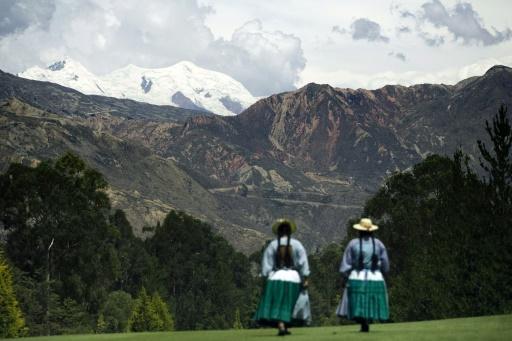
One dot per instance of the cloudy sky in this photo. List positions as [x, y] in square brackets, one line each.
[269, 46]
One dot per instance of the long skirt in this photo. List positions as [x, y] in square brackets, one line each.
[365, 296]
[302, 311]
[279, 297]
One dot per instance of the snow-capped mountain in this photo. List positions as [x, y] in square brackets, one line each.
[184, 84]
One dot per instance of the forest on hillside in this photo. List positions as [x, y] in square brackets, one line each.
[69, 263]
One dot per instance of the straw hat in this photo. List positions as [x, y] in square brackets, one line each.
[365, 224]
[282, 221]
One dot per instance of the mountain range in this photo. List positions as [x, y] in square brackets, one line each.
[314, 154]
[183, 85]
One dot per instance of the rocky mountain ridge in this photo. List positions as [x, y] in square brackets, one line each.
[314, 154]
[362, 133]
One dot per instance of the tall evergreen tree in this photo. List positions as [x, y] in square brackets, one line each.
[101, 324]
[12, 323]
[144, 316]
[498, 162]
[70, 317]
[162, 310]
[237, 324]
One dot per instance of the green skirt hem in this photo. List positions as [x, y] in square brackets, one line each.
[367, 300]
[277, 302]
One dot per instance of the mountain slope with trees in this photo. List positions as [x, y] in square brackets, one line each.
[445, 228]
[447, 233]
[74, 257]
[316, 153]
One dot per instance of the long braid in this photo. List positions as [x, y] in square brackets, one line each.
[375, 260]
[288, 253]
[283, 254]
[278, 258]
[360, 265]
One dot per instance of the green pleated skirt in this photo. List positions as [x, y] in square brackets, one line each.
[365, 297]
[279, 297]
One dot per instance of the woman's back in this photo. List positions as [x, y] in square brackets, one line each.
[364, 261]
[298, 257]
[361, 251]
[285, 265]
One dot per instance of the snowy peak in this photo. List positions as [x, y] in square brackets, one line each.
[69, 73]
[68, 65]
[184, 84]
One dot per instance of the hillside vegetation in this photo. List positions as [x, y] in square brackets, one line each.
[442, 223]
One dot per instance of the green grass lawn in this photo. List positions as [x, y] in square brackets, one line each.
[467, 329]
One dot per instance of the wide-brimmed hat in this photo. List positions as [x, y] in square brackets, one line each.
[283, 221]
[365, 224]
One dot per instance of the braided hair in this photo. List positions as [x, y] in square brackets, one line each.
[284, 252]
[374, 259]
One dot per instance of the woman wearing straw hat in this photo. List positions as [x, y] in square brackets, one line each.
[365, 296]
[285, 265]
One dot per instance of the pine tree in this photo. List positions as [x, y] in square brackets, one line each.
[498, 163]
[101, 325]
[144, 316]
[238, 323]
[70, 317]
[163, 313]
[12, 323]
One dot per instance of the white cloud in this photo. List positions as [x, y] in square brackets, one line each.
[398, 55]
[266, 55]
[106, 35]
[18, 15]
[255, 57]
[363, 29]
[461, 23]
[346, 78]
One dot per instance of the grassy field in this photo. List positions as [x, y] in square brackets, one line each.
[467, 329]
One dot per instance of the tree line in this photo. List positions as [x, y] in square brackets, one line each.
[71, 264]
[448, 231]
